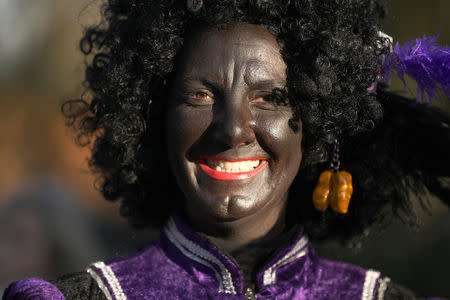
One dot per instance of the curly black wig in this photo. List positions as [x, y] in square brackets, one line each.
[332, 50]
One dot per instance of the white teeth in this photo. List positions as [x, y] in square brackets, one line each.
[232, 167]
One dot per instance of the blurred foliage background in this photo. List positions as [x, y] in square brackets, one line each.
[53, 221]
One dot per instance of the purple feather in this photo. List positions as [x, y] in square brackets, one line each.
[425, 61]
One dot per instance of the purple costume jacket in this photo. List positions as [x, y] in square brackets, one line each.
[183, 265]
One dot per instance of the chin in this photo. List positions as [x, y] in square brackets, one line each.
[231, 207]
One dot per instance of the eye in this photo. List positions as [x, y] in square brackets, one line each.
[273, 100]
[200, 98]
[268, 102]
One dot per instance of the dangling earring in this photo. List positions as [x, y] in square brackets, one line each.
[334, 187]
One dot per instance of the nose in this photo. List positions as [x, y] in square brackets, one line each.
[234, 123]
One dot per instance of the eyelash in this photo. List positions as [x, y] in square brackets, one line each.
[190, 99]
[275, 99]
[269, 98]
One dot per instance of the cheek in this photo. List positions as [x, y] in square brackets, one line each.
[185, 128]
[283, 143]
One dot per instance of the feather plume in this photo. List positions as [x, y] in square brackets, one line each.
[425, 61]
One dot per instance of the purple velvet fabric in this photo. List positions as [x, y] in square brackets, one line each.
[181, 264]
[163, 271]
[32, 289]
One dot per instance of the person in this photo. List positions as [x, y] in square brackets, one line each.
[220, 121]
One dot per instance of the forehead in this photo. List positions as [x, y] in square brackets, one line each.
[245, 50]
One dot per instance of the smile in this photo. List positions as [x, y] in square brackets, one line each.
[231, 169]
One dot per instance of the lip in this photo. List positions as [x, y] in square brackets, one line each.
[228, 175]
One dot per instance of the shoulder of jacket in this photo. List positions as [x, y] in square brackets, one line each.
[33, 289]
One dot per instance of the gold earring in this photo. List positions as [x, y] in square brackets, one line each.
[334, 187]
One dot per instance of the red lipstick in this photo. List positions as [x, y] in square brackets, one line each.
[220, 175]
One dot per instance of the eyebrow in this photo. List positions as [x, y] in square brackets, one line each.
[262, 84]
[204, 81]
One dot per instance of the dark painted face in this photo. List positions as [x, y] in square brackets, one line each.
[230, 145]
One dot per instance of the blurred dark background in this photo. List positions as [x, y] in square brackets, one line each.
[53, 221]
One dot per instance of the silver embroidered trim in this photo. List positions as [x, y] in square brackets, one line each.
[296, 252]
[369, 284]
[100, 283]
[171, 237]
[382, 288]
[226, 282]
[111, 279]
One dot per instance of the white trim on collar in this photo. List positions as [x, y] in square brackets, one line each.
[369, 284]
[200, 255]
[300, 249]
[222, 274]
[111, 279]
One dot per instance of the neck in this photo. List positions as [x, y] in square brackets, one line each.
[262, 226]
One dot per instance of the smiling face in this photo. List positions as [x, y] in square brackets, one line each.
[230, 146]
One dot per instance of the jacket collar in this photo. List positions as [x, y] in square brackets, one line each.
[195, 250]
